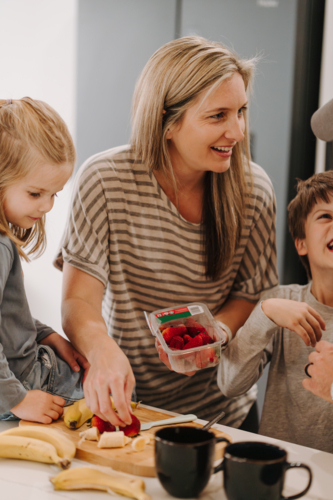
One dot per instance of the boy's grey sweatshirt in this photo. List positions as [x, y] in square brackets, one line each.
[19, 332]
[290, 412]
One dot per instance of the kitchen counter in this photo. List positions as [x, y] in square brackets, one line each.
[23, 480]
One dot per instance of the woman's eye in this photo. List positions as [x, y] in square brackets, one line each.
[218, 116]
[241, 110]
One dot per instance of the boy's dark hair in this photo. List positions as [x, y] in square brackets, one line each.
[317, 187]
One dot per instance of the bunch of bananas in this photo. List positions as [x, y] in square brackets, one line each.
[37, 443]
[87, 478]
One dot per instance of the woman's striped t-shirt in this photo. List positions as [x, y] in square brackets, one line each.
[124, 231]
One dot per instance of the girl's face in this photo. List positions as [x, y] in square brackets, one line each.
[211, 127]
[29, 199]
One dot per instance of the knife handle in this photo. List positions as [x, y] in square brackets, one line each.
[178, 420]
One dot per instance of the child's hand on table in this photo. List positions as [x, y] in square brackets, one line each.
[39, 406]
[66, 351]
[296, 316]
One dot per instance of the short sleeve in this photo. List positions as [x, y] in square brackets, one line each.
[258, 269]
[85, 243]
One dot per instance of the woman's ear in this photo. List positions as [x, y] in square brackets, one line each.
[301, 246]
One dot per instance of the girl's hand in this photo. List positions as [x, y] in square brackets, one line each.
[296, 316]
[39, 406]
[66, 351]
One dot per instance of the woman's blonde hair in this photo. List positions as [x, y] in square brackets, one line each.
[29, 129]
[173, 78]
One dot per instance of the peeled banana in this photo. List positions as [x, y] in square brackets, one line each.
[77, 414]
[133, 404]
[65, 447]
[87, 478]
[26, 448]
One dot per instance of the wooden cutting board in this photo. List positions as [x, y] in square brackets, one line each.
[125, 459]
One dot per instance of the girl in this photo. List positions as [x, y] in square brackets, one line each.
[39, 369]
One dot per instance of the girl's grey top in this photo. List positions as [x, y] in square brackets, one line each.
[290, 412]
[19, 331]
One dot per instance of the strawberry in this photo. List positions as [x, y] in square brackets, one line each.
[102, 425]
[205, 357]
[186, 338]
[206, 338]
[177, 343]
[172, 331]
[132, 429]
[195, 342]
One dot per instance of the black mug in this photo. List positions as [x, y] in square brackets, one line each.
[184, 459]
[256, 471]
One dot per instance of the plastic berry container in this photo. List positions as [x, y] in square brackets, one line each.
[188, 359]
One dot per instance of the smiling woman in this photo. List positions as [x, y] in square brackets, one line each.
[180, 215]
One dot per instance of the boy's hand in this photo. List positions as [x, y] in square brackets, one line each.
[39, 406]
[66, 351]
[296, 316]
[320, 371]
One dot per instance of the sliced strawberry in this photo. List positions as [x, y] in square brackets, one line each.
[173, 331]
[195, 342]
[177, 342]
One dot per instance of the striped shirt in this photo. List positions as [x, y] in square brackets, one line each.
[124, 231]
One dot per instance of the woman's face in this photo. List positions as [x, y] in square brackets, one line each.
[204, 139]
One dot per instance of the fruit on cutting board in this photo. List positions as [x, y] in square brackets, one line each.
[132, 429]
[77, 414]
[102, 425]
[27, 448]
[65, 447]
[182, 337]
[134, 404]
[113, 440]
[91, 434]
[87, 478]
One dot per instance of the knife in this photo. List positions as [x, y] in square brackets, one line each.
[173, 420]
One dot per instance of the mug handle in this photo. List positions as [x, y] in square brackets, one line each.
[298, 465]
[219, 467]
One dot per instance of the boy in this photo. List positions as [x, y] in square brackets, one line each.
[288, 320]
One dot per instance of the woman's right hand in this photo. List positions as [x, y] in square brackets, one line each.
[298, 317]
[110, 373]
[39, 406]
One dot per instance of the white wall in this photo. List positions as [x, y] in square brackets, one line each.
[38, 59]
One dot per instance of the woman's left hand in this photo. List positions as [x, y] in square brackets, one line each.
[66, 351]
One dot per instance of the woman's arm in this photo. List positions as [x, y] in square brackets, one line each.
[234, 313]
[110, 370]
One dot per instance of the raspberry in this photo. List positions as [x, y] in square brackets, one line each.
[176, 342]
[195, 342]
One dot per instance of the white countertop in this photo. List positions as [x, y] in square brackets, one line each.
[23, 480]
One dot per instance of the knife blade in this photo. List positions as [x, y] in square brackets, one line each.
[174, 420]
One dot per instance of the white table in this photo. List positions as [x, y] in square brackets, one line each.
[23, 480]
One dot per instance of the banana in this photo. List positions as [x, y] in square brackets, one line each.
[26, 448]
[133, 404]
[77, 414]
[65, 447]
[87, 478]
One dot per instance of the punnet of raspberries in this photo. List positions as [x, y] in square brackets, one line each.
[182, 337]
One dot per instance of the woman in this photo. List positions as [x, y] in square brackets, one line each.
[178, 216]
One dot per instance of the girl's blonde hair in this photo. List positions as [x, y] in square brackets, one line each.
[29, 129]
[173, 78]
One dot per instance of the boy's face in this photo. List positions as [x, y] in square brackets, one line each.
[318, 241]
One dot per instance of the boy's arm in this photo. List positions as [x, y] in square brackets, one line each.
[245, 358]
[42, 330]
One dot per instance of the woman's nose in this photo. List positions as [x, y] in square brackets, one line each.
[235, 130]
